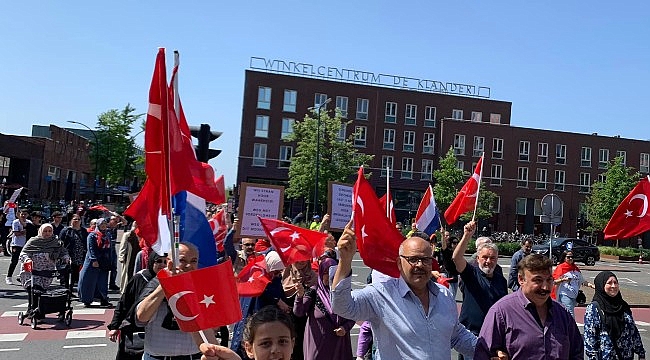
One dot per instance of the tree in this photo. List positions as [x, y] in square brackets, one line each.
[339, 159]
[607, 195]
[116, 152]
[448, 178]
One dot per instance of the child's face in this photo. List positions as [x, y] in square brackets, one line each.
[272, 342]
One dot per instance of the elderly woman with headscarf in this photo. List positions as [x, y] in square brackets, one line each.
[93, 279]
[327, 335]
[122, 327]
[610, 331]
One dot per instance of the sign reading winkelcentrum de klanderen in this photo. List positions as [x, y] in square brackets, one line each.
[365, 77]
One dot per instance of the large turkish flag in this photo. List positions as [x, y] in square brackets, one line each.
[631, 217]
[292, 242]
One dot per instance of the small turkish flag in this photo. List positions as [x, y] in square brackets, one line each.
[377, 238]
[467, 197]
[202, 299]
[99, 208]
[391, 209]
[293, 243]
[219, 228]
[27, 266]
[631, 217]
[253, 278]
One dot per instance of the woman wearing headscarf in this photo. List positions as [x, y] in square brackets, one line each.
[123, 326]
[610, 331]
[93, 279]
[298, 274]
[43, 251]
[567, 279]
[327, 335]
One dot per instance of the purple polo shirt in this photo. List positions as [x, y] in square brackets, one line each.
[512, 325]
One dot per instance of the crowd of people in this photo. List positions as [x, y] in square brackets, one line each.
[309, 308]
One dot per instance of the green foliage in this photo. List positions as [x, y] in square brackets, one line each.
[116, 154]
[339, 159]
[606, 196]
[508, 248]
[628, 252]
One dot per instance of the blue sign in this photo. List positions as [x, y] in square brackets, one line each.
[569, 245]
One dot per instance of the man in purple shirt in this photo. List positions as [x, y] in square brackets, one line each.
[527, 324]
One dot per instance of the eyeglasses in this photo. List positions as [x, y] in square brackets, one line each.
[414, 260]
[248, 244]
[75, 219]
[569, 257]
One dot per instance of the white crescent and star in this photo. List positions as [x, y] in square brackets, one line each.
[172, 305]
[643, 213]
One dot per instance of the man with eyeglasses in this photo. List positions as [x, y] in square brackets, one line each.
[246, 254]
[412, 317]
[482, 286]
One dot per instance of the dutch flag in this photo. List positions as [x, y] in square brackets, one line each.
[428, 217]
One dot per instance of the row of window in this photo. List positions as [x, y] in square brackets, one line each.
[390, 110]
[541, 178]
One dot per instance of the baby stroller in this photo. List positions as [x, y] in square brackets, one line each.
[54, 299]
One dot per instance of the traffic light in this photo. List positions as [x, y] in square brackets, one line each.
[205, 136]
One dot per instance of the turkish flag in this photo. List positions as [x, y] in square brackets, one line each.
[377, 239]
[293, 243]
[219, 228]
[202, 299]
[467, 197]
[631, 217]
[253, 278]
[99, 208]
[389, 206]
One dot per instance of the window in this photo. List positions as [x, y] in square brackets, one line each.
[542, 153]
[409, 141]
[4, 165]
[585, 157]
[263, 97]
[495, 118]
[522, 177]
[54, 173]
[537, 210]
[286, 152]
[259, 155]
[287, 127]
[427, 170]
[342, 105]
[459, 144]
[644, 163]
[560, 154]
[457, 114]
[410, 117]
[72, 175]
[391, 112]
[319, 99]
[585, 182]
[520, 206]
[360, 134]
[428, 143]
[386, 162]
[497, 148]
[524, 151]
[341, 135]
[407, 168]
[262, 126]
[541, 178]
[496, 175]
[460, 165]
[603, 158]
[623, 155]
[290, 99]
[429, 116]
[389, 139]
[362, 109]
[602, 178]
[477, 116]
[559, 180]
[495, 207]
[479, 146]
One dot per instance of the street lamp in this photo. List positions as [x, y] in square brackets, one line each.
[96, 156]
[317, 108]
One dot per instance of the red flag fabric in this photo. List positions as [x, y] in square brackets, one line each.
[631, 217]
[467, 196]
[253, 278]
[219, 228]
[98, 207]
[377, 239]
[293, 243]
[382, 201]
[202, 299]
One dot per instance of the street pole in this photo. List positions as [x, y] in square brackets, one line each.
[96, 156]
[318, 155]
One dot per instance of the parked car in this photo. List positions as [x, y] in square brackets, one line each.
[582, 250]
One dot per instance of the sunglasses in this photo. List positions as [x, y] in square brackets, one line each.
[569, 257]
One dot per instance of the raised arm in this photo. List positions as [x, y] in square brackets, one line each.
[459, 251]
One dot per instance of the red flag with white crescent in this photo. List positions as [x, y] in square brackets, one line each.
[467, 196]
[219, 228]
[631, 217]
[293, 243]
[253, 278]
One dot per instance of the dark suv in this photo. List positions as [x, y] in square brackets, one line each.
[582, 250]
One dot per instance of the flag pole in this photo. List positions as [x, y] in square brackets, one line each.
[172, 220]
[478, 189]
[388, 192]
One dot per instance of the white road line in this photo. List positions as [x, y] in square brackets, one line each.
[642, 323]
[10, 349]
[13, 337]
[83, 346]
[89, 312]
[84, 334]
[10, 313]
[21, 305]
[580, 324]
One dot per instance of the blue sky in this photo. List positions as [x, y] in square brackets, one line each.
[572, 66]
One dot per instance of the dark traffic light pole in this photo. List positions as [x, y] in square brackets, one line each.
[318, 154]
[205, 136]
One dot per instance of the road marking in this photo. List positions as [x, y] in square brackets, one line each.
[628, 280]
[84, 334]
[21, 305]
[10, 349]
[13, 337]
[83, 346]
[642, 323]
[11, 313]
[89, 312]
